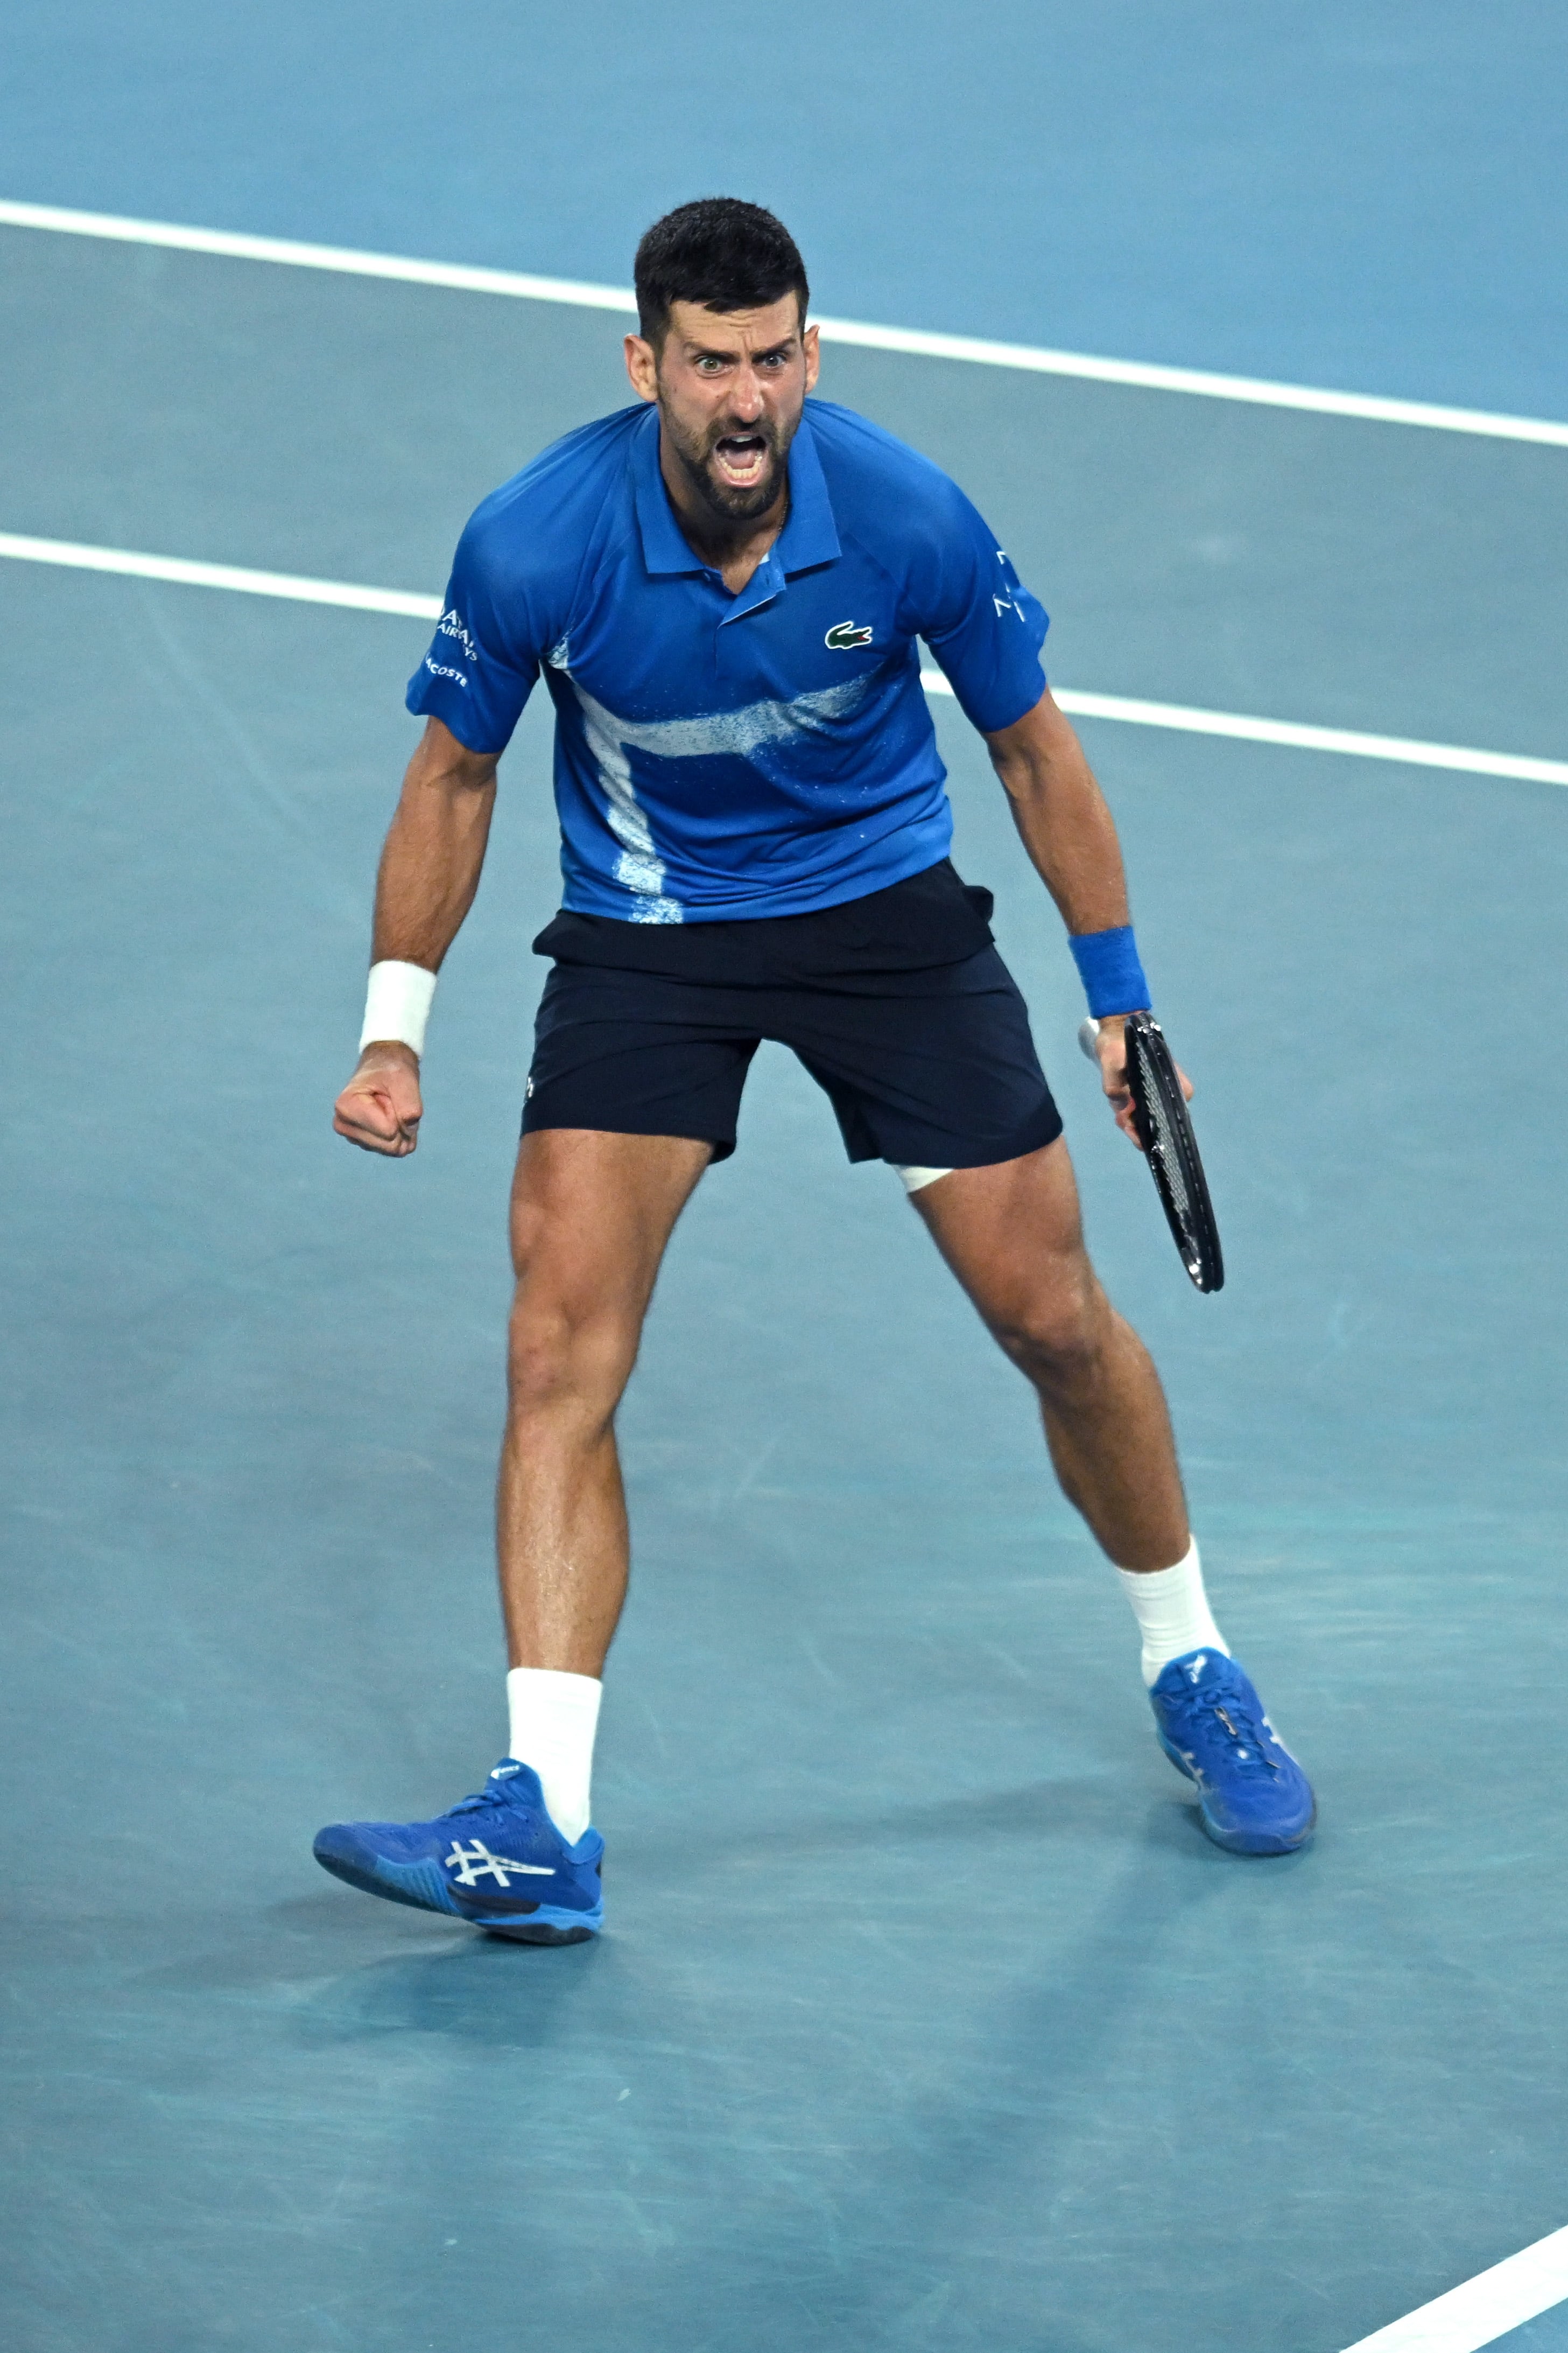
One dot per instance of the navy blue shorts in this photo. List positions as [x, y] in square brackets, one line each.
[929, 1066]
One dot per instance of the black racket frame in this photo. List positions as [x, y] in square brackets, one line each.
[1155, 1087]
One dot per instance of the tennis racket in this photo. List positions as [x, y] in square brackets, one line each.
[1160, 1115]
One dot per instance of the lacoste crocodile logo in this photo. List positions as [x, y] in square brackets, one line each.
[846, 635]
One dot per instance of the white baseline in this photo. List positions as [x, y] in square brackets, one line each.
[187, 572]
[1485, 2308]
[977, 350]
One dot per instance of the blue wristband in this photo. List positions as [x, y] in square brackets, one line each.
[1109, 969]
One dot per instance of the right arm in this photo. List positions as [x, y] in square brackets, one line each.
[428, 875]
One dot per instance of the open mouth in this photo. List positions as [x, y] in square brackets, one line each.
[742, 459]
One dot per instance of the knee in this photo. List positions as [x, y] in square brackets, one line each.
[1057, 1336]
[559, 1355]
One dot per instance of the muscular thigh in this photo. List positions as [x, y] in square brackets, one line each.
[1013, 1235]
[590, 1214]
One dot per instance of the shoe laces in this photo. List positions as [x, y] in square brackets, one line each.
[490, 1800]
[1225, 1717]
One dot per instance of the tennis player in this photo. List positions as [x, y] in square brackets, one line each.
[724, 587]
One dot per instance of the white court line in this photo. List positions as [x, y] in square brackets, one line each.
[916, 340]
[1080, 705]
[1484, 2308]
[293, 585]
[1187, 721]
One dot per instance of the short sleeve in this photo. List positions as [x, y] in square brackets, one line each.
[981, 624]
[484, 657]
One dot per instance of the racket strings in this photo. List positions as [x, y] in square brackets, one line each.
[1166, 1143]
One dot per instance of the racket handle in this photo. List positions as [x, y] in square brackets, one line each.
[1088, 1031]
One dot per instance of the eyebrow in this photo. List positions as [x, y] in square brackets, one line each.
[774, 351]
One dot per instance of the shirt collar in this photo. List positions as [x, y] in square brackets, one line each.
[664, 543]
[810, 536]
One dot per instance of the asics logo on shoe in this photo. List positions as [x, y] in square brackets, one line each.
[505, 1772]
[1195, 1670]
[844, 636]
[469, 1863]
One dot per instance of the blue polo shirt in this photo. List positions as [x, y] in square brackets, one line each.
[721, 756]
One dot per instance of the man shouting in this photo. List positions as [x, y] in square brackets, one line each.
[724, 587]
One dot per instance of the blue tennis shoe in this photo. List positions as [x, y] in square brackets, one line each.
[1253, 1796]
[497, 1859]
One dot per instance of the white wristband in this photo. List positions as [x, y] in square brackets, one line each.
[397, 1004]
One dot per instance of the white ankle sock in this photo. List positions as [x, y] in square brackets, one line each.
[553, 1719]
[1172, 1612]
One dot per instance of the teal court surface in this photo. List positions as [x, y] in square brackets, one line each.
[926, 2018]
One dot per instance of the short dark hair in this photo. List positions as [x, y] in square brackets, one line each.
[718, 251]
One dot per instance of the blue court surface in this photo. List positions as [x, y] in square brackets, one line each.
[1549, 2334]
[927, 2017]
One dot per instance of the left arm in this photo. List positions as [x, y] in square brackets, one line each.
[1070, 837]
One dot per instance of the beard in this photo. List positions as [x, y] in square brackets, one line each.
[728, 501]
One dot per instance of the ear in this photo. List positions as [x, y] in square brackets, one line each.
[642, 366]
[809, 346]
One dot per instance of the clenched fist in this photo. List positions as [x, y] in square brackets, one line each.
[380, 1109]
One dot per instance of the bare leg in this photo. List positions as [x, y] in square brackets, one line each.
[590, 1214]
[1012, 1235]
